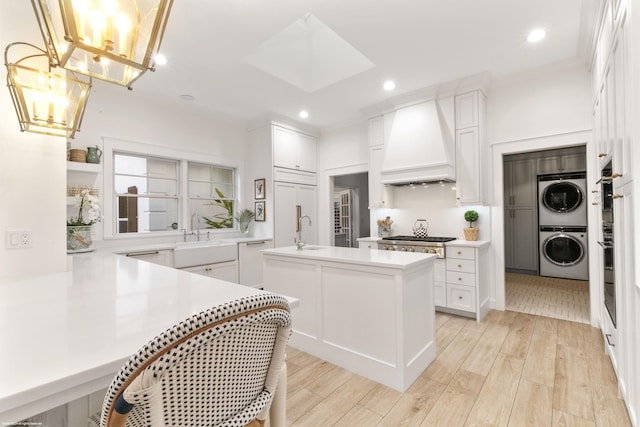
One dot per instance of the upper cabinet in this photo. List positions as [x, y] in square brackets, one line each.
[293, 150]
[469, 120]
[380, 195]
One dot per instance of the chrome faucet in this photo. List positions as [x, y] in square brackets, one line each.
[298, 240]
[197, 217]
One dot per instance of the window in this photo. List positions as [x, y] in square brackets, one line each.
[211, 195]
[146, 192]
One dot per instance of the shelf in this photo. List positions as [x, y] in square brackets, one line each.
[84, 167]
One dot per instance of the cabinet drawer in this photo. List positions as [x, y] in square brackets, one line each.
[461, 265]
[440, 294]
[367, 245]
[458, 278]
[460, 252]
[461, 298]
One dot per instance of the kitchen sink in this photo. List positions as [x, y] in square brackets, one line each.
[191, 254]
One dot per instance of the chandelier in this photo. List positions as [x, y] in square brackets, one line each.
[112, 40]
[48, 102]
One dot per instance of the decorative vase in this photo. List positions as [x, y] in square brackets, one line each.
[79, 238]
[244, 228]
[471, 233]
[94, 154]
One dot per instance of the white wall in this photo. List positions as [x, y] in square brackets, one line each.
[549, 100]
[32, 171]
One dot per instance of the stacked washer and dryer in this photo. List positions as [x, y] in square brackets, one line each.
[562, 220]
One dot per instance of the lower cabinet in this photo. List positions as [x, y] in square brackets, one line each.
[367, 245]
[227, 271]
[461, 281]
[161, 257]
[250, 262]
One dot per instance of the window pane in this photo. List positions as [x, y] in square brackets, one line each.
[213, 214]
[145, 214]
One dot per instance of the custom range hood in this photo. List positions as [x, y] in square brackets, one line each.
[421, 144]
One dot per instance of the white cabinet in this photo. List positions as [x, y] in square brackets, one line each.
[293, 150]
[250, 262]
[470, 150]
[380, 195]
[161, 257]
[287, 196]
[461, 281]
[227, 271]
[367, 245]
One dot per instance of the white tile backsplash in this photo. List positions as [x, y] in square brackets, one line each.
[437, 205]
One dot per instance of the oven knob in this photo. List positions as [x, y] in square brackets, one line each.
[391, 248]
[425, 250]
[410, 250]
[432, 251]
[403, 249]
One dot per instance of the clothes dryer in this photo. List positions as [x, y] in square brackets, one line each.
[562, 200]
[563, 252]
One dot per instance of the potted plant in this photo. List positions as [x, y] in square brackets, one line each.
[471, 233]
[244, 218]
[79, 227]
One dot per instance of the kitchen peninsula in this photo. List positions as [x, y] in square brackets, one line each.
[371, 312]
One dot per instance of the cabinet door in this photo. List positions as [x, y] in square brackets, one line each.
[550, 164]
[524, 238]
[523, 183]
[306, 153]
[509, 259]
[227, 271]
[285, 150]
[376, 131]
[574, 163]
[284, 217]
[250, 262]
[380, 196]
[307, 198]
[287, 197]
[468, 165]
[467, 110]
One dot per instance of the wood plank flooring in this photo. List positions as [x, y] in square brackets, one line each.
[512, 369]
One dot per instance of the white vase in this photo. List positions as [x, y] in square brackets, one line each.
[79, 239]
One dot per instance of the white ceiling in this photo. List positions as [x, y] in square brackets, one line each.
[417, 43]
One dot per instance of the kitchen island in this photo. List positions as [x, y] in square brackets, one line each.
[371, 312]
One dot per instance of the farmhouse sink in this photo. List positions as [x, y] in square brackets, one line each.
[201, 253]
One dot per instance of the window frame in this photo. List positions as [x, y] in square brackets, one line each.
[183, 157]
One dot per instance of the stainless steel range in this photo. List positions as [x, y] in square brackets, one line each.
[427, 245]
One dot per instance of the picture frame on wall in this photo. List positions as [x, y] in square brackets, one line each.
[260, 189]
[260, 213]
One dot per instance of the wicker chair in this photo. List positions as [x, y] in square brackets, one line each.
[217, 368]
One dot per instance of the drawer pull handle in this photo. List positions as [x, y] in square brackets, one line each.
[459, 253]
[460, 297]
[459, 266]
[602, 155]
[142, 253]
[459, 279]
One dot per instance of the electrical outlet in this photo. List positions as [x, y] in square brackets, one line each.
[18, 239]
[26, 240]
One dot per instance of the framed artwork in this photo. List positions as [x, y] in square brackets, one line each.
[260, 211]
[259, 185]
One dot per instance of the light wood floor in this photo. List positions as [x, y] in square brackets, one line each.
[512, 369]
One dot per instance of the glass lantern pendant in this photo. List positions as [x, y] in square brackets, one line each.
[47, 100]
[112, 40]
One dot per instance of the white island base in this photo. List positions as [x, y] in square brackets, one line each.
[370, 312]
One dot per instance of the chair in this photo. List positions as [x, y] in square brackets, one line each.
[217, 368]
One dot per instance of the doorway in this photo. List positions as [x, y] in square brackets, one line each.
[546, 250]
[350, 209]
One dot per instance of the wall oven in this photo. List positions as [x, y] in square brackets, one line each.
[607, 242]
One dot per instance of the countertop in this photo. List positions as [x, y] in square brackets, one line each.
[123, 247]
[63, 331]
[389, 259]
[468, 243]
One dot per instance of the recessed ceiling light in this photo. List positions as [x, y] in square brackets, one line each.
[536, 35]
[389, 85]
[160, 59]
[303, 114]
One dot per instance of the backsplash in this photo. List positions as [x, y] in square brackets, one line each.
[435, 203]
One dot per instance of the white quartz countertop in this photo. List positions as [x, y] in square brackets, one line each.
[63, 330]
[468, 243]
[389, 259]
[125, 247]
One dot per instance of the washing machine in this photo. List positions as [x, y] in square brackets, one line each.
[563, 252]
[562, 200]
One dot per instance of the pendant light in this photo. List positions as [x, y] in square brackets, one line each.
[47, 100]
[112, 40]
